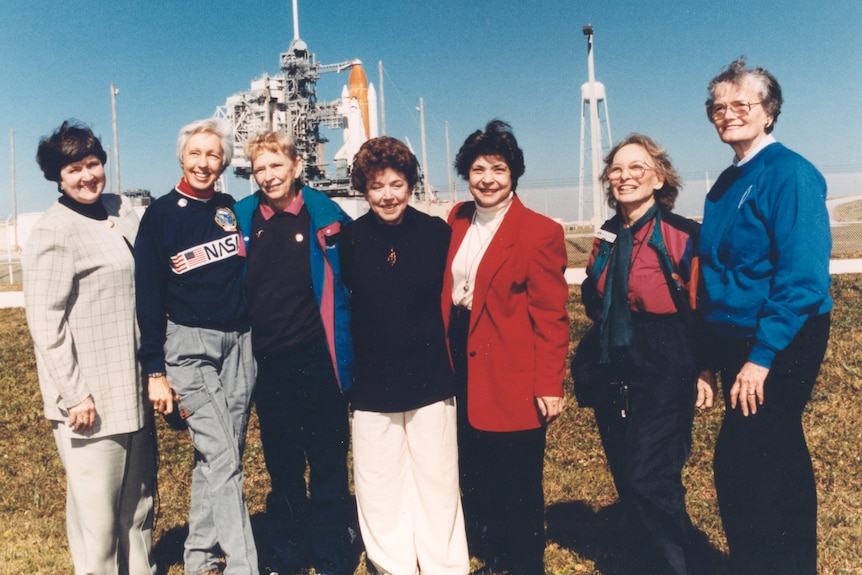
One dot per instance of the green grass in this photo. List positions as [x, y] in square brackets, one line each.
[847, 241]
[849, 212]
[583, 526]
[10, 276]
[578, 249]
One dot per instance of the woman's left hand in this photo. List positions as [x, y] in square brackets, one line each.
[748, 388]
[705, 390]
[82, 416]
[161, 395]
[550, 407]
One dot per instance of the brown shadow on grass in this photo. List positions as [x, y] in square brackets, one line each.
[605, 537]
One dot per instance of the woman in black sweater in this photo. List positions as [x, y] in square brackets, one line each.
[404, 428]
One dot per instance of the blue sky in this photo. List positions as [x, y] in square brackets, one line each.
[524, 62]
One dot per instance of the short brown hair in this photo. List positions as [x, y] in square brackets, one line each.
[376, 155]
[69, 143]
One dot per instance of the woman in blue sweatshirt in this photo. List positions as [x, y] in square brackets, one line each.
[764, 253]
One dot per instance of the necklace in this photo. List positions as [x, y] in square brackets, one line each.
[470, 264]
[392, 257]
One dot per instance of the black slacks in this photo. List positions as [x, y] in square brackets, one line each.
[501, 480]
[647, 449]
[303, 417]
[763, 473]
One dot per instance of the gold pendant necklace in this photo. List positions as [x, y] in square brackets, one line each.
[392, 257]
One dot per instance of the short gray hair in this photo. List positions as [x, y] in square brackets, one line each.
[768, 87]
[216, 126]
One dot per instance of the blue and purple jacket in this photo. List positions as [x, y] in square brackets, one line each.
[329, 291]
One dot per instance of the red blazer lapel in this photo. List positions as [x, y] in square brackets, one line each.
[496, 255]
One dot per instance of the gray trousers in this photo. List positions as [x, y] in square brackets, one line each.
[109, 501]
[213, 374]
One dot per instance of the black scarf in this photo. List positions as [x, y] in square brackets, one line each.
[616, 336]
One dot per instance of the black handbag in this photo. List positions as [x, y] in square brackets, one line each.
[591, 378]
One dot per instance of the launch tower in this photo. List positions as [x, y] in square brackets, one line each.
[287, 102]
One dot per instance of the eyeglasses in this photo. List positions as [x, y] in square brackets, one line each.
[635, 171]
[739, 109]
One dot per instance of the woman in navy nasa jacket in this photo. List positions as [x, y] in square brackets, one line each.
[196, 341]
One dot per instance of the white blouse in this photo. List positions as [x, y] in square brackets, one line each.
[486, 221]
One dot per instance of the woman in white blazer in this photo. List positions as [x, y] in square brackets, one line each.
[79, 295]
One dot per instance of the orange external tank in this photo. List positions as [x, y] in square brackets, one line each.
[358, 88]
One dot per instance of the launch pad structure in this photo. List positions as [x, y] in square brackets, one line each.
[287, 102]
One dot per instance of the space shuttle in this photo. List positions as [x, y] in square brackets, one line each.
[358, 109]
[287, 102]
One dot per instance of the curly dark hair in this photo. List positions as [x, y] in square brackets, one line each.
[377, 154]
[70, 143]
[769, 90]
[497, 140]
[666, 195]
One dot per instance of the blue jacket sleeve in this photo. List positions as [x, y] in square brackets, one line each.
[802, 240]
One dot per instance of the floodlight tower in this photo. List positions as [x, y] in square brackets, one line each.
[593, 93]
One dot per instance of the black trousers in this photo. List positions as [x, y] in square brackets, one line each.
[303, 417]
[763, 473]
[648, 448]
[501, 483]
[501, 480]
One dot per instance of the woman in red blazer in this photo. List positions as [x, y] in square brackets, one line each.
[504, 303]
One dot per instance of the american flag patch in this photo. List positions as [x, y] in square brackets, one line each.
[204, 254]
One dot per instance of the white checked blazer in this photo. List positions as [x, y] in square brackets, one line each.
[79, 296]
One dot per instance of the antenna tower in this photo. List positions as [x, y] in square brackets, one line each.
[592, 96]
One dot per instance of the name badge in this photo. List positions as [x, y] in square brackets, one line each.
[607, 236]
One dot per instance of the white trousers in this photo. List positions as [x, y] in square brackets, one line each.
[405, 471]
[109, 501]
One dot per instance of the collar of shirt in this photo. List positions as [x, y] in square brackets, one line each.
[294, 208]
[188, 191]
[769, 139]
